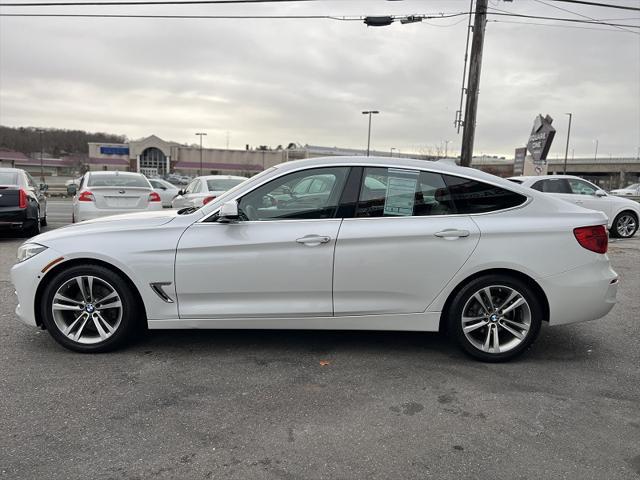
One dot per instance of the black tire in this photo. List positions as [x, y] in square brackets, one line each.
[620, 218]
[129, 326]
[34, 227]
[501, 286]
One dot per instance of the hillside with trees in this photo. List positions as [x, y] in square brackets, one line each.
[55, 142]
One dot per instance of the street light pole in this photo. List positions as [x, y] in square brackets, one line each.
[369, 112]
[446, 148]
[595, 157]
[566, 150]
[201, 134]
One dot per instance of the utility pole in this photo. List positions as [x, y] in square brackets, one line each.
[595, 157]
[40, 131]
[446, 148]
[369, 112]
[473, 84]
[566, 150]
[201, 134]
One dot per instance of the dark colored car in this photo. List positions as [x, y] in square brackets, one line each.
[23, 205]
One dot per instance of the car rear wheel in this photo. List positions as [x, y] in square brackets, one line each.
[495, 318]
[34, 226]
[625, 225]
[89, 308]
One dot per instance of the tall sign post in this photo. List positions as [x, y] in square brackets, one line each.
[539, 144]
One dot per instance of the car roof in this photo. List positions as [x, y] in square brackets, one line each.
[111, 172]
[228, 177]
[439, 166]
[10, 169]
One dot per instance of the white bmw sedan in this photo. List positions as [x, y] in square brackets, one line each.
[380, 244]
[106, 193]
[622, 213]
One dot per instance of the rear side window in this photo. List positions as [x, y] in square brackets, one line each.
[471, 196]
[391, 192]
[216, 185]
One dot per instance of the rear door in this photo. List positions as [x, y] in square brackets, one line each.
[403, 246]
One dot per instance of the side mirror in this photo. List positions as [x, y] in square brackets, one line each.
[44, 187]
[72, 189]
[228, 212]
[600, 193]
[181, 192]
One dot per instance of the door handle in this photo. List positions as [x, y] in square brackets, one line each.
[452, 233]
[578, 202]
[313, 240]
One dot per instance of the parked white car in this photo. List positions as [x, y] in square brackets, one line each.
[166, 190]
[204, 189]
[630, 191]
[107, 193]
[622, 213]
[383, 244]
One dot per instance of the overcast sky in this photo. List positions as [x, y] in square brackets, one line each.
[306, 81]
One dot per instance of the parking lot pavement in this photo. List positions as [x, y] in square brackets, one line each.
[317, 405]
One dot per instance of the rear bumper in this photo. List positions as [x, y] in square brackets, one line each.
[14, 218]
[584, 293]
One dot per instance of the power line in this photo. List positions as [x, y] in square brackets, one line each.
[144, 2]
[560, 26]
[598, 4]
[578, 14]
[309, 17]
[562, 19]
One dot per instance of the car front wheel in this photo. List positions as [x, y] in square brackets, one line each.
[495, 318]
[89, 308]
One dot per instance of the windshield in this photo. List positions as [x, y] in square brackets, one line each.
[634, 186]
[8, 178]
[118, 180]
[223, 184]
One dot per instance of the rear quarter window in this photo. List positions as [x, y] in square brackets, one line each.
[472, 196]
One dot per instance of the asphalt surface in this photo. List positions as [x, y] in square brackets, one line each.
[323, 405]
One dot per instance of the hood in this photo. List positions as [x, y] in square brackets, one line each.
[127, 221]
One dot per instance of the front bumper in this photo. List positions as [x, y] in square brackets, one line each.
[26, 276]
[583, 293]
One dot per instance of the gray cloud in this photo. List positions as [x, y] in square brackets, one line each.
[271, 82]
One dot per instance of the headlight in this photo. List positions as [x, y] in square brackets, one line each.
[28, 250]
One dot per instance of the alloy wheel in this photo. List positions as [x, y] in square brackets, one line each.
[87, 309]
[496, 319]
[626, 225]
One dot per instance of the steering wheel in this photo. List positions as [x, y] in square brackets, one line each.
[269, 200]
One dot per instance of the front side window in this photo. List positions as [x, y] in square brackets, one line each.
[554, 185]
[191, 188]
[580, 187]
[391, 192]
[284, 198]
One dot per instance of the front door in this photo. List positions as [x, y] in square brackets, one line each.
[276, 261]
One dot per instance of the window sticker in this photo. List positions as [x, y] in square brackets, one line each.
[401, 192]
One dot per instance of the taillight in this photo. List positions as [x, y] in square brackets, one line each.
[22, 201]
[208, 199]
[593, 238]
[86, 196]
[154, 197]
